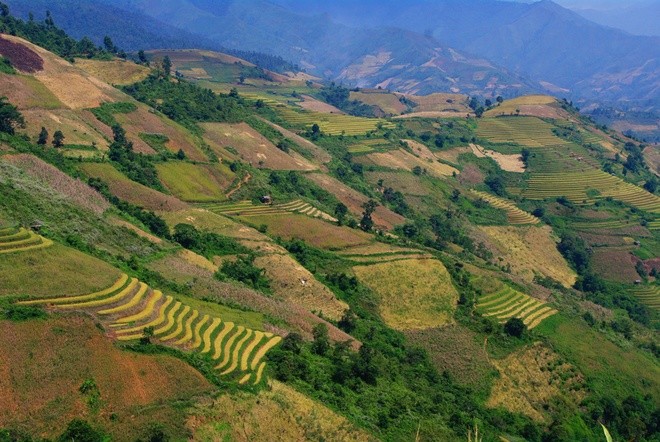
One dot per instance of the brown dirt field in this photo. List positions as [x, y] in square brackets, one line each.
[21, 57]
[143, 120]
[407, 183]
[542, 106]
[312, 230]
[528, 249]
[509, 163]
[75, 191]
[314, 105]
[131, 191]
[188, 55]
[320, 155]
[204, 220]
[382, 216]
[279, 414]
[119, 72]
[292, 282]
[74, 126]
[72, 86]
[387, 102]
[24, 92]
[530, 378]
[455, 349]
[46, 362]
[403, 160]
[438, 103]
[615, 264]
[252, 147]
[652, 157]
[413, 294]
[452, 155]
[431, 114]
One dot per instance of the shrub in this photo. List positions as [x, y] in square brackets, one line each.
[515, 327]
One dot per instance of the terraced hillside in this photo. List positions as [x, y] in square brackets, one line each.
[246, 209]
[508, 303]
[526, 131]
[513, 213]
[18, 239]
[649, 295]
[333, 124]
[588, 187]
[130, 310]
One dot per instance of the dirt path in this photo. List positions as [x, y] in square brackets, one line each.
[244, 181]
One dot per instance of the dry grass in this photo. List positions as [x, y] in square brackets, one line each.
[440, 102]
[543, 106]
[311, 230]
[414, 294]
[387, 102]
[615, 264]
[26, 92]
[56, 270]
[75, 126]
[146, 121]
[320, 155]
[196, 182]
[455, 349]
[75, 191]
[404, 160]
[209, 221]
[314, 105]
[42, 369]
[252, 147]
[277, 414]
[382, 216]
[118, 72]
[291, 281]
[530, 378]
[116, 221]
[131, 191]
[529, 250]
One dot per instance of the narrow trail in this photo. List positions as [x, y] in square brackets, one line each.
[244, 181]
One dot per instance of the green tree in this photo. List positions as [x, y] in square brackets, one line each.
[651, 184]
[79, 430]
[43, 137]
[167, 66]
[367, 223]
[58, 139]
[109, 45]
[10, 117]
[340, 212]
[181, 155]
[142, 58]
[321, 343]
[515, 327]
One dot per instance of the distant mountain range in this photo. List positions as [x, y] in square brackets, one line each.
[486, 47]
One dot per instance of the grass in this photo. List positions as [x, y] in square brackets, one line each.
[529, 250]
[117, 72]
[385, 101]
[196, 182]
[648, 295]
[53, 271]
[247, 209]
[333, 124]
[414, 294]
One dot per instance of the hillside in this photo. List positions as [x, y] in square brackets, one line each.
[215, 253]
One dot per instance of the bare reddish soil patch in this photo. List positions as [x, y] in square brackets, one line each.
[22, 58]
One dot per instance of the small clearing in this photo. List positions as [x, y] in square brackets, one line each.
[196, 182]
[414, 294]
[404, 160]
[117, 72]
[314, 105]
[20, 56]
[509, 163]
[75, 126]
[319, 154]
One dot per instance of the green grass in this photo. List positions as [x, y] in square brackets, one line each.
[333, 124]
[526, 131]
[195, 182]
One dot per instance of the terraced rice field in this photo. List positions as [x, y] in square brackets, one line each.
[246, 208]
[333, 124]
[649, 296]
[526, 131]
[654, 225]
[578, 186]
[18, 239]
[381, 252]
[129, 306]
[608, 224]
[369, 145]
[509, 303]
[514, 214]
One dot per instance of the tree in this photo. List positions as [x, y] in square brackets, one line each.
[167, 66]
[80, 431]
[366, 223]
[43, 137]
[496, 184]
[321, 343]
[142, 58]
[181, 155]
[109, 45]
[417, 170]
[4, 10]
[58, 139]
[340, 212]
[651, 185]
[488, 103]
[499, 99]
[515, 327]
[10, 117]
